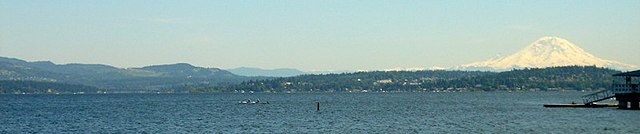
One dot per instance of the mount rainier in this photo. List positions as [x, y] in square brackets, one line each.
[547, 52]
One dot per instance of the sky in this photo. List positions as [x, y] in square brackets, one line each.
[320, 35]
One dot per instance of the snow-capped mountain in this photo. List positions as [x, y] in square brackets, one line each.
[547, 52]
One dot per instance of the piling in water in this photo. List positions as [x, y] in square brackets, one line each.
[318, 108]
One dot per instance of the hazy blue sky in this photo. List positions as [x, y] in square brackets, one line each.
[309, 35]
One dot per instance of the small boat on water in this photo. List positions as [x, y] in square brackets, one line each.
[248, 101]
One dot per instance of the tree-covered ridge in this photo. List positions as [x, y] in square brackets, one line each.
[150, 78]
[35, 87]
[553, 78]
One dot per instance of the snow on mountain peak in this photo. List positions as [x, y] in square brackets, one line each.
[550, 44]
[547, 51]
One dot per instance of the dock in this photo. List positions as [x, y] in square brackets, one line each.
[626, 93]
[580, 105]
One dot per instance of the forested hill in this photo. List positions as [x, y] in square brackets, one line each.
[553, 78]
[146, 79]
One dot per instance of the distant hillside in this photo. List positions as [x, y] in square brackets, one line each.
[553, 78]
[34, 87]
[281, 72]
[108, 77]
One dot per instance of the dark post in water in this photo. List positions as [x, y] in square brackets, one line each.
[318, 109]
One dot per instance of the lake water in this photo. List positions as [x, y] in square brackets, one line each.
[472, 112]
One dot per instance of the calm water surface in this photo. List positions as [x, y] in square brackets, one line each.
[475, 112]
